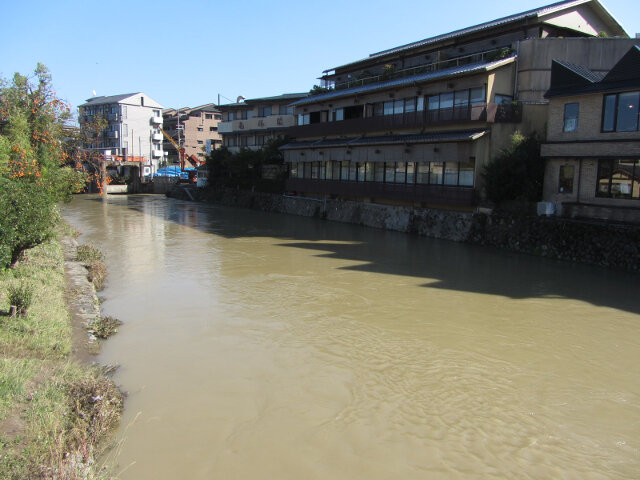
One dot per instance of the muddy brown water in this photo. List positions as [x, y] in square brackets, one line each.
[266, 346]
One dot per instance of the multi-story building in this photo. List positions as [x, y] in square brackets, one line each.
[592, 149]
[194, 129]
[133, 131]
[416, 124]
[250, 123]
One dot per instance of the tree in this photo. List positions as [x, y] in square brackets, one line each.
[31, 132]
[34, 174]
[517, 173]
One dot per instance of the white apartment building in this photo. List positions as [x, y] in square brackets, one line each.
[133, 130]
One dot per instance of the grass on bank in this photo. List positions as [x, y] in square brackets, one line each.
[53, 411]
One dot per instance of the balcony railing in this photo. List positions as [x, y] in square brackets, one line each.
[434, 194]
[416, 120]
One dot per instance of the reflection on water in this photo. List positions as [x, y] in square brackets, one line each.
[270, 346]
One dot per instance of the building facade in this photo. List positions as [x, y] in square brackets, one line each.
[194, 129]
[132, 134]
[250, 123]
[592, 148]
[417, 123]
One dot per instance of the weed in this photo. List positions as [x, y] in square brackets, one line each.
[89, 254]
[105, 326]
[20, 296]
[97, 273]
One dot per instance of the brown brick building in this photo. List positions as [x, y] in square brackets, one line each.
[592, 149]
[195, 129]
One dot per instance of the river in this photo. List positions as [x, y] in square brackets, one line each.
[267, 346]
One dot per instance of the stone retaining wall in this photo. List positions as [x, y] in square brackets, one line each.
[615, 246]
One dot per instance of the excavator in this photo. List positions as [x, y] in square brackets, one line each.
[192, 159]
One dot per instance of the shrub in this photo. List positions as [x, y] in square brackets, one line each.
[97, 273]
[88, 254]
[517, 173]
[27, 218]
[20, 295]
[105, 326]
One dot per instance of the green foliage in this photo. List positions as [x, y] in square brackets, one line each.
[27, 219]
[20, 295]
[32, 157]
[88, 254]
[318, 90]
[244, 169]
[517, 172]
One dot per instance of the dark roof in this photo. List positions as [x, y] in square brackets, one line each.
[288, 97]
[110, 99]
[400, 82]
[518, 17]
[436, 137]
[570, 80]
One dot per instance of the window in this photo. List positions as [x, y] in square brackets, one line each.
[570, 117]
[213, 129]
[451, 173]
[304, 119]
[435, 173]
[231, 116]
[337, 115]
[264, 111]
[208, 116]
[502, 99]
[285, 110]
[200, 129]
[465, 173]
[422, 176]
[565, 179]
[620, 112]
[401, 172]
[618, 178]
[200, 142]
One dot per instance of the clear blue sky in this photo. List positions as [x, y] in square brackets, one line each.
[186, 52]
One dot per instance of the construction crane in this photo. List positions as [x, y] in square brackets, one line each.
[183, 156]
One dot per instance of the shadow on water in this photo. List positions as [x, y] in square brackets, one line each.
[442, 264]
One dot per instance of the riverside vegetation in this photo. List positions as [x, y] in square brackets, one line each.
[54, 410]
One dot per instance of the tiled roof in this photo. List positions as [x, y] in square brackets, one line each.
[110, 99]
[436, 137]
[518, 17]
[399, 82]
[584, 72]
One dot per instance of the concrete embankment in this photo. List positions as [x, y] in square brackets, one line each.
[614, 246]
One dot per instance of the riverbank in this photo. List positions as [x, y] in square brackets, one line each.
[606, 245]
[55, 409]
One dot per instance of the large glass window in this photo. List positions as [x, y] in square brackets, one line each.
[336, 171]
[401, 172]
[411, 172]
[369, 172]
[465, 174]
[344, 171]
[389, 172]
[618, 178]
[379, 172]
[451, 173]
[422, 176]
[565, 179]
[436, 173]
[570, 117]
[620, 112]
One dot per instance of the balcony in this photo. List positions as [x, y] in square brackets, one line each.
[225, 127]
[488, 113]
[157, 137]
[434, 194]
[156, 120]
